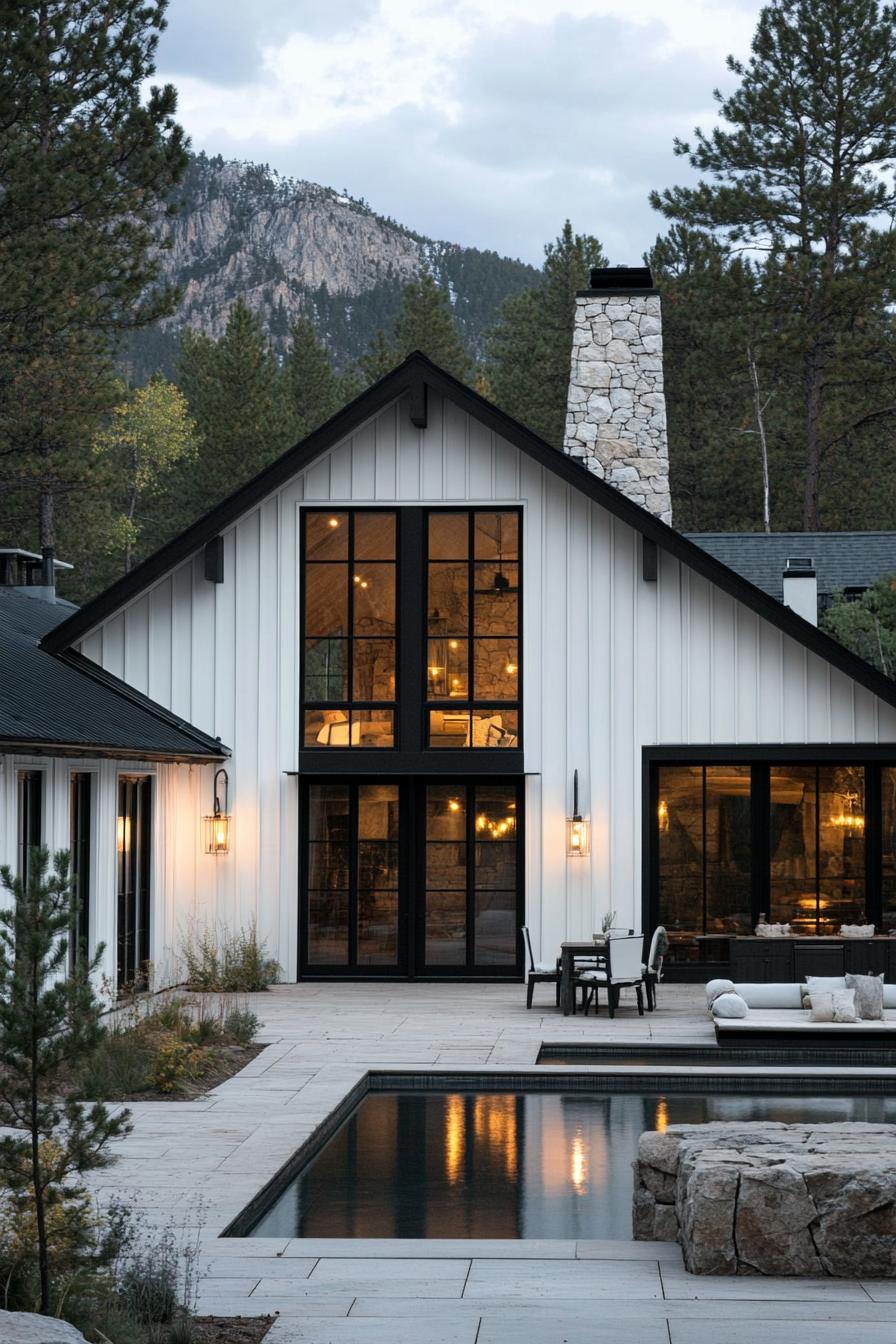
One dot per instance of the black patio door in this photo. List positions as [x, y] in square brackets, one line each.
[134, 842]
[412, 878]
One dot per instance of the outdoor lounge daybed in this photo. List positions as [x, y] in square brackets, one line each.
[775, 1014]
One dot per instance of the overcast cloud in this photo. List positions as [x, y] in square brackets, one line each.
[485, 122]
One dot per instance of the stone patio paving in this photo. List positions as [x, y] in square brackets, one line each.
[199, 1163]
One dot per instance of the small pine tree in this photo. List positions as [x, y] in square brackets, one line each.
[313, 391]
[49, 1023]
[529, 348]
[426, 323]
[867, 626]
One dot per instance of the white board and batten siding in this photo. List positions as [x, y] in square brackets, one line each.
[610, 664]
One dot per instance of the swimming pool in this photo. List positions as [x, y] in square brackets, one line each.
[515, 1163]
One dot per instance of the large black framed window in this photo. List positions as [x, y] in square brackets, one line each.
[808, 841]
[134, 907]
[30, 795]
[411, 639]
[349, 669]
[80, 819]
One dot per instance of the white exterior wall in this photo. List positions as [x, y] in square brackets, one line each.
[610, 664]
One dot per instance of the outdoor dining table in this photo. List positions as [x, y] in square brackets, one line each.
[568, 954]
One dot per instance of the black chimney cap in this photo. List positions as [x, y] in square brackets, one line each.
[625, 279]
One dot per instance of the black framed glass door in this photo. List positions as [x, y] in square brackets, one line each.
[411, 878]
[134, 843]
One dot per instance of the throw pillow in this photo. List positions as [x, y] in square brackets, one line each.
[869, 995]
[822, 1007]
[828, 983]
[717, 987]
[844, 1005]
[729, 1005]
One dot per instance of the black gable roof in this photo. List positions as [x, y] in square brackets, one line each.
[64, 704]
[413, 377]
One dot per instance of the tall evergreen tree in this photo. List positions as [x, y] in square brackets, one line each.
[529, 349]
[85, 163]
[426, 323]
[313, 390]
[802, 169]
[235, 396]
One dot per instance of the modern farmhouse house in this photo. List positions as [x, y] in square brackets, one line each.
[353, 702]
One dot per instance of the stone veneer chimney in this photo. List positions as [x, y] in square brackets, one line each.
[616, 408]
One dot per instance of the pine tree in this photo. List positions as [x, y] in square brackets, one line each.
[85, 164]
[867, 625]
[49, 1024]
[313, 391]
[235, 396]
[801, 169]
[528, 350]
[425, 322]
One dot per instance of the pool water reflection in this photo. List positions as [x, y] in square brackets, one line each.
[516, 1164]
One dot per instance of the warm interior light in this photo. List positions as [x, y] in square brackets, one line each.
[662, 813]
[333, 522]
[577, 837]
[123, 834]
[453, 805]
[452, 643]
[510, 669]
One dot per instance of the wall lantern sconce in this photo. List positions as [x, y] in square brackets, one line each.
[217, 826]
[578, 828]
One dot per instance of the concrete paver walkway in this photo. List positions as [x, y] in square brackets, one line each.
[199, 1163]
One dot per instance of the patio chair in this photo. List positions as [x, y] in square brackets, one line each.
[623, 971]
[541, 972]
[653, 968]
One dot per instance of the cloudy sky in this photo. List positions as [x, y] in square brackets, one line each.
[485, 122]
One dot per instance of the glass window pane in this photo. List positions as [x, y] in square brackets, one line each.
[326, 535]
[448, 600]
[326, 669]
[495, 727]
[495, 932]
[328, 928]
[373, 672]
[888, 847]
[680, 827]
[378, 813]
[841, 858]
[377, 928]
[495, 669]
[729, 849]
[446, 669]
[328, 866]
[448, 536]
[446, 928]
[326, 600]
[793, 868]
[328, 812]
[372, 728]
[448, 728]
[326, 728]
[446, 813]
[374, 590]
[375, 536]
[496, 608]
[496, 536]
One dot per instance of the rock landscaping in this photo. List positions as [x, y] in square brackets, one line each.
[771, 1198]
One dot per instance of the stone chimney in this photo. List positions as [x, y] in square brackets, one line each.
[616, 408]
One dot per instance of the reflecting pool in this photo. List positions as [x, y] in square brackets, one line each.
[513, 1164]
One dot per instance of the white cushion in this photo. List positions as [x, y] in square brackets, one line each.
[890, 996]
[770, 996]
[717, 987]
[593, 975]
[546, 966]
[826, 983]
[729, 1005]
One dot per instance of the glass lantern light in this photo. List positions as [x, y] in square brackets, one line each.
[217, 825]
[578, 828]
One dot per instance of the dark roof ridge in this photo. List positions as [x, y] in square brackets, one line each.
[417, 368]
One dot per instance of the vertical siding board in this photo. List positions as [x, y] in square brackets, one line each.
[575, 596]
[724, 669]
[270, 670]
[159, 622]
[136, 644]
[866, 719]
[409, 463]
[551, 583]
[340, 472]
[454, 439]
[91, 646]
[206, 672]
[248, 684]
[700, 671]
[795, 711]
[671, 651]
[601, 707]
[507, 469]
[364, 463]
[748, 659]
[818, 699]
[886, 725]
[432, 453]
[843, 718]
[181, 640]
[221, 675]
[624, 800]
[317, 480]
[533, 610]
[386, 428]
[771, 684]
[481, 484]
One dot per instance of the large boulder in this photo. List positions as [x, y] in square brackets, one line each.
[22, 1327]
[769, 1198]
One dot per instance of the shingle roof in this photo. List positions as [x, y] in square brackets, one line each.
[842, 559]
[64, 703]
